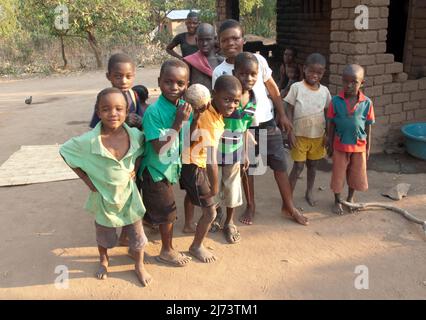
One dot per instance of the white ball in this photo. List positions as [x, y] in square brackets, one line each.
[197, 95]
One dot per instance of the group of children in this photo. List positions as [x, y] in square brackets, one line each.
[136, 153]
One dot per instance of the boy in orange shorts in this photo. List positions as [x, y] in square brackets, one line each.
[350, 116]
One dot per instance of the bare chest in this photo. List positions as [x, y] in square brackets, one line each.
[117, 146]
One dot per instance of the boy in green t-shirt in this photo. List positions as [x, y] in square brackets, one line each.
[164, 123]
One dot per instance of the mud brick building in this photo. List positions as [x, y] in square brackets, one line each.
[392, 49]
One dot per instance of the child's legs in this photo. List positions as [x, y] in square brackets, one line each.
[229, 216]
[283, 183]
[340, 167]
[248, 186]
[315, 153]
[189, 215]
[166, 232]
[137, 242]
[207, 217]
[106, 238]
[231, 189]
[103, 256]
[357, 172]
[159, 200]
[298, 154]
[295, 173]
[137, 237]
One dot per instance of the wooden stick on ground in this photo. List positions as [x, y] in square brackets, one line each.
[404, 213]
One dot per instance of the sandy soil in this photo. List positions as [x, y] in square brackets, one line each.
[43, 226]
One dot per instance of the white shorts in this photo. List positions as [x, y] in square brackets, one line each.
[230, 185]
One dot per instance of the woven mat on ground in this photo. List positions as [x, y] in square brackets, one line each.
[35, 164]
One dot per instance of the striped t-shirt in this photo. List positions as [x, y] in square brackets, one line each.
[231, 143]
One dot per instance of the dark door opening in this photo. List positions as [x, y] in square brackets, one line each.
[397, 28]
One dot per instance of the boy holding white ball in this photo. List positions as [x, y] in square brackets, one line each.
[199, 175]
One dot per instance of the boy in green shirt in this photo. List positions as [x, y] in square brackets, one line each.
[164, 123]
[106, 159]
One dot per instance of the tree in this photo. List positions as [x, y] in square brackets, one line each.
[89, 19]
[8, 18]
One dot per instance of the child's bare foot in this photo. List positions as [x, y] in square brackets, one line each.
[247, 216]
[102, 273]
[350, 209]
[190, 228]
[296, 215]
[174, 258]
[202, 254]
[337, 208]
[147, 258]
[144, 277]
[310, 198]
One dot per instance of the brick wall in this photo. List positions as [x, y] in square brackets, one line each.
[396, 99]
[415, 50]
[304, 25]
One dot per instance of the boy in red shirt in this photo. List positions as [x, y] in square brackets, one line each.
[350, 116]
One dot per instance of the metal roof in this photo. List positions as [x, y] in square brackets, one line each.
[179, 14]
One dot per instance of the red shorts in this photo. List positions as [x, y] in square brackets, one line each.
[349, 166]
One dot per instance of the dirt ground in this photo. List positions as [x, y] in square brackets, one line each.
[44, 225]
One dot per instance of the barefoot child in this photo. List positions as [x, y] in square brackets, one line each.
[203, 62]
[106, 159]
[231, 42]
[121, 73]
[233, 144]
[350, 116]
[307, 102]
[200, 170]
[164, 123]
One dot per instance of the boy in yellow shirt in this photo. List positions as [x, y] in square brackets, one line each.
[199, 176]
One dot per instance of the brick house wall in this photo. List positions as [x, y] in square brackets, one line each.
[396, 99]
[415, 47]
[304, 25]
[314, 25]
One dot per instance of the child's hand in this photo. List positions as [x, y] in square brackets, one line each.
[183, 113]
[134, 120]
[285, 124]
[292, 140]
[214, 190]
[246, 164]
[198, 111]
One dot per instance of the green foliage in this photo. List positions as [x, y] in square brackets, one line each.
[29, 41]
[8, 18]
[259, 17]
